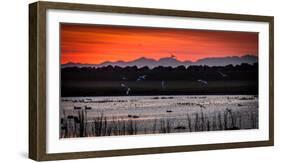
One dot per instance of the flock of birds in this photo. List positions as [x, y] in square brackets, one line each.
[205, 83]
[163, 83]
[128, 89]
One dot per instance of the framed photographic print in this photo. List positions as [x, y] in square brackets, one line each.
[112, 81]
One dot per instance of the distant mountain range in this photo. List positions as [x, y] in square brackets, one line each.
[173, 62]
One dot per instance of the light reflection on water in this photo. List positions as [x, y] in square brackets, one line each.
[145, 111]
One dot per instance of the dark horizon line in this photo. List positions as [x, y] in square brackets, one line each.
[151, 68]
[178, 94]
[232, 56]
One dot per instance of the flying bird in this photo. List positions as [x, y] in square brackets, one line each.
[203, 82]
[126, 87]
[163, 84]
[142, 77]
[172, 55]
[222, 74]
[128, 91]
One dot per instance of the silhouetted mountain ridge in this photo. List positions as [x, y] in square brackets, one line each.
[173, 62]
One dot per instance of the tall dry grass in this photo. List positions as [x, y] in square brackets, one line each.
[79, 125]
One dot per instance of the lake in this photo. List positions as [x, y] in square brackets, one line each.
[131, 115]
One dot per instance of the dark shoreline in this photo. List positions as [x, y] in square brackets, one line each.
[133, 81]
[154, 95]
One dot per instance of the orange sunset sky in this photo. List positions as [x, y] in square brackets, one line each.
[95, 44]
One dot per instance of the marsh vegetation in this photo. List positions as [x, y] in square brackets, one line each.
[132, 115]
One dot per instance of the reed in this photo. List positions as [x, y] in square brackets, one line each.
[189, 122]
[77, 123]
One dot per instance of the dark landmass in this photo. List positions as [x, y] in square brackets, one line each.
[181, 80]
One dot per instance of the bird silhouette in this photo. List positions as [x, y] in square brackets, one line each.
[203, 82]
[128, 91]
[222, 74]
[172, 55]
[142, 77]
[126, 87]
[163, 84]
